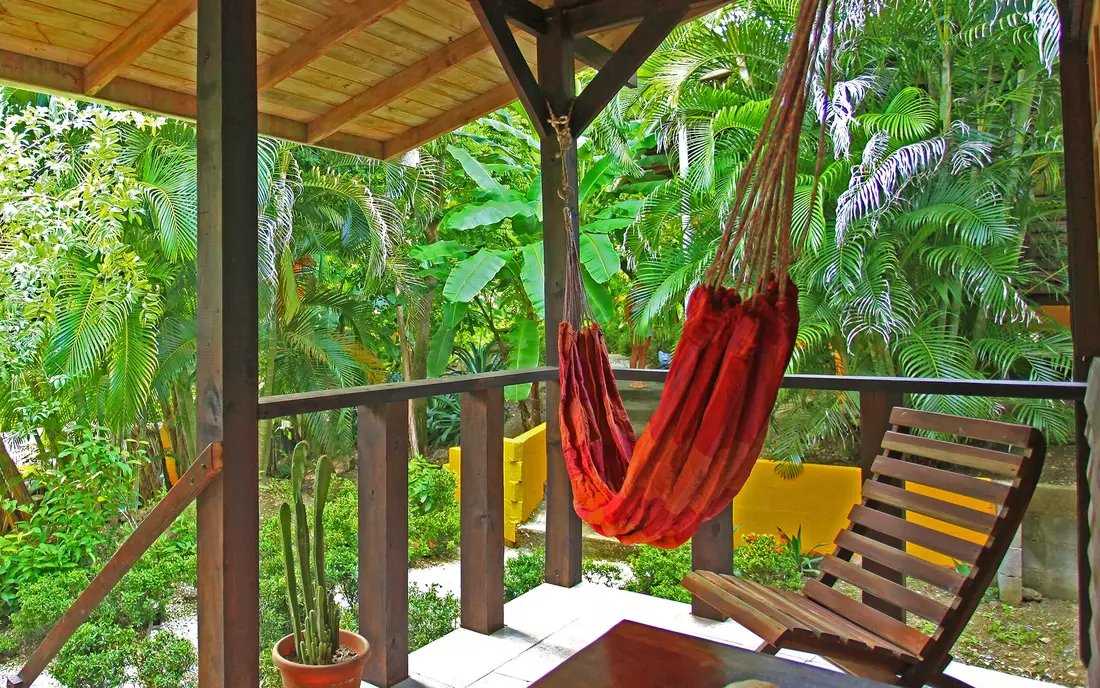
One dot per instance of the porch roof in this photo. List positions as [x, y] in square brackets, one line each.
[370, 77]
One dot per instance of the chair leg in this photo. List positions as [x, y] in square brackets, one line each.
[767, 648]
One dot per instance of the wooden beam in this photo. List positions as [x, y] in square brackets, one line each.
[227, 370]
[137, 38]
[524, 14]
[191, 484]
[602, 15]
[532, 19]
[1084, 280]
[712, 550]
[482, 506]
[558, 80]
[391, 88]
[25, 71]
[635, 50]
[495, 24]
[350, 19]
[383, 482]
[478, 106]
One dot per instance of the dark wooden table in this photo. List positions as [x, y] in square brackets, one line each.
[632, 655]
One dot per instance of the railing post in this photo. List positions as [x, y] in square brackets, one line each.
[383, 446]
[712, 550]
[482, 510]
[874, 421]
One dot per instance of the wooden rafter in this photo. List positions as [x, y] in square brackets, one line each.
[532, 19]
[478, 106]
[36, 73]
[634, 51]
[494, 22]
[352, 18]
[407, 80]
[601, 15]
[137, 38]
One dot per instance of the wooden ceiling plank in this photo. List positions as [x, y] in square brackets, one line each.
[405, 81]
[317, 42]
[482, 105]
[25, 71]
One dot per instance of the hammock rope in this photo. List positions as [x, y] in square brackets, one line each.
[742, 320]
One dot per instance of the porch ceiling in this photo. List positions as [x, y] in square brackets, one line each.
[370, 77]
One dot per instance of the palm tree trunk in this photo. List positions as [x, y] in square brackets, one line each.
[14, 486]
[267, 427]
[422, 335]
[407, 372]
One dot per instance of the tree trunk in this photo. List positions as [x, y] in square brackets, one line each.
[267, 427]
[407, 372]
[13, 484]
[422, 337]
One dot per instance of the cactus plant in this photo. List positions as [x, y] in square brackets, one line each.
[313, 611]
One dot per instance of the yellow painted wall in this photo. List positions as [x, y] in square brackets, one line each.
[950, 529]
[524, 476]
[818, 501]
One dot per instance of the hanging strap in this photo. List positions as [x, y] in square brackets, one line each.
[576, 306]
[757, 234]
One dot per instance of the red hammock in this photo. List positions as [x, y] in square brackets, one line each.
[710, 425]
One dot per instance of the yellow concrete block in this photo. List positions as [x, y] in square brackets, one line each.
[818, 501]
[524, 476]
[950, 529]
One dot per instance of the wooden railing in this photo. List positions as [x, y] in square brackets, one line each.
[383, 498]
[383, 487]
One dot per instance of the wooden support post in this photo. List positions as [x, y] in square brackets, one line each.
[227, 377]
[556, 77]
[712, 550]
[383, 446]
[1084, 282]
[482, 509]
[874, 421]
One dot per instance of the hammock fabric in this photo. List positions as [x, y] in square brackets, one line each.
[707, 432]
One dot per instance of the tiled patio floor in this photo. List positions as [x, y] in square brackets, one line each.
[547, 625]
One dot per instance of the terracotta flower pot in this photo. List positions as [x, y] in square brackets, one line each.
[344, 675]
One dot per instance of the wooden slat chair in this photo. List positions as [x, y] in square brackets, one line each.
[859, 638]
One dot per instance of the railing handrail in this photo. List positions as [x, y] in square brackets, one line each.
[351, 397]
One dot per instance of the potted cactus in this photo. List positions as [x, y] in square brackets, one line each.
[317, 654]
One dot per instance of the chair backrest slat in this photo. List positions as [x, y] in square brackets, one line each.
[980, 458]
[948, 481]
[948, 512]
[947, 495]
[900, 560]
[998, 432]
[915, 533]
[885, 590]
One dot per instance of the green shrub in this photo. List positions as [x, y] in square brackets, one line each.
[767, 560]
[342, 538]
[142, 597]
[166, 661]
[658, 572]
[74, 523]
[523, 572]
[433, 512]
[8, 646]
[95, 657]
[431, 487]
[41, 603]
[444, 420]
[432, 615]
[527, 570]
